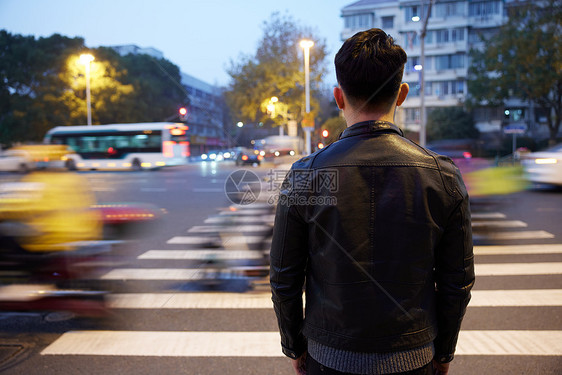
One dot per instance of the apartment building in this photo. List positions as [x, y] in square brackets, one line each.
[454, 27]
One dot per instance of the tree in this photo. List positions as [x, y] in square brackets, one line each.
[42, 85]
[155, 81]
[28, 67]
[450, 123]
[276, 70]
[523, 59]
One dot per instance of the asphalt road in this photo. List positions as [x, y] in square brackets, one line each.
[170, 316]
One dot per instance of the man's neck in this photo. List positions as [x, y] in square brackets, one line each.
[354, 118]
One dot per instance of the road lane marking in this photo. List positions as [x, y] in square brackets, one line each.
[499, 224]
[507, 269]
[262, 300]
[519, 235]
[518, 249]
[202, 254]
[532, 297]
[267, 344]
[487, 215]
[198, 240]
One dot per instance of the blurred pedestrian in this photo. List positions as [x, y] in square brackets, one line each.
[378, 229]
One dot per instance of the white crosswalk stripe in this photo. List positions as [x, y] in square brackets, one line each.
[499, 224]
[262, 300]
[518, 235]
[507, 269]
[232, 240]
[203, 254]
[266, 344]
[487, 215]
[518, 249]
[228, 228]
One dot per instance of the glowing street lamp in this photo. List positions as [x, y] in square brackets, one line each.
[86, 59]
[306, 45]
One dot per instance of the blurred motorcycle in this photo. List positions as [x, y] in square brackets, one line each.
[55, 241]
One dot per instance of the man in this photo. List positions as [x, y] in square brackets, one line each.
[379, 228]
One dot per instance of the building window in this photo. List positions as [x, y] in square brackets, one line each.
[410, 12]
[429, 37]
[359, 21]
[444, 10]
[483, 8]
[387, 22]
[457, 34]
[457, 87]
[442, 36]
[441, 88]
[412, 114]
[445, 62]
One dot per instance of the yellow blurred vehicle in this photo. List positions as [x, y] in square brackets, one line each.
[55, 209]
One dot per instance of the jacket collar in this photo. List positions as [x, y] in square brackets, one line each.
[368, 127]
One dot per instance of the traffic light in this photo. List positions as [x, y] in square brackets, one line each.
[183, 113]
[325, 133]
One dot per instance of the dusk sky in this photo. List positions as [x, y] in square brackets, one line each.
[201, 37]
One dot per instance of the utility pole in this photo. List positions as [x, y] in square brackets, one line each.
[422, 74]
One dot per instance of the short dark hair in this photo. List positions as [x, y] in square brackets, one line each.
[369, 68]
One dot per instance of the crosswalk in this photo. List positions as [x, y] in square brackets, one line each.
[236, 240]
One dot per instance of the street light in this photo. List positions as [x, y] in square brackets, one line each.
[306, 45]
[86, 59]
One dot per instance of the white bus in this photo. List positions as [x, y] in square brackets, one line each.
[123, 146]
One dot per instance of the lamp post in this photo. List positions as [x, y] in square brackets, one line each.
[306, 45]
[86, 59]
[421, 70]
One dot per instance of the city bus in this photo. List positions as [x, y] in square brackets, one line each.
[123, 146]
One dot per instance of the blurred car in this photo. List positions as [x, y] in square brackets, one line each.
[247, 156]
[212, 155]
[544, 167]
[14, 160]
[275, 152]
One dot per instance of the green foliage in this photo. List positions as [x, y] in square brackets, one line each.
[276, 70]
[43, 84]
[524, 59]
[450, 123]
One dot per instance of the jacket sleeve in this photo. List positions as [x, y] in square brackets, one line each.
[288, 256]
[454, 274]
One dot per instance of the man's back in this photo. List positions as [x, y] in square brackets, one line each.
[372, 236]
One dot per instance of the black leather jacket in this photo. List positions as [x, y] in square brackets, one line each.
[380, 229]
